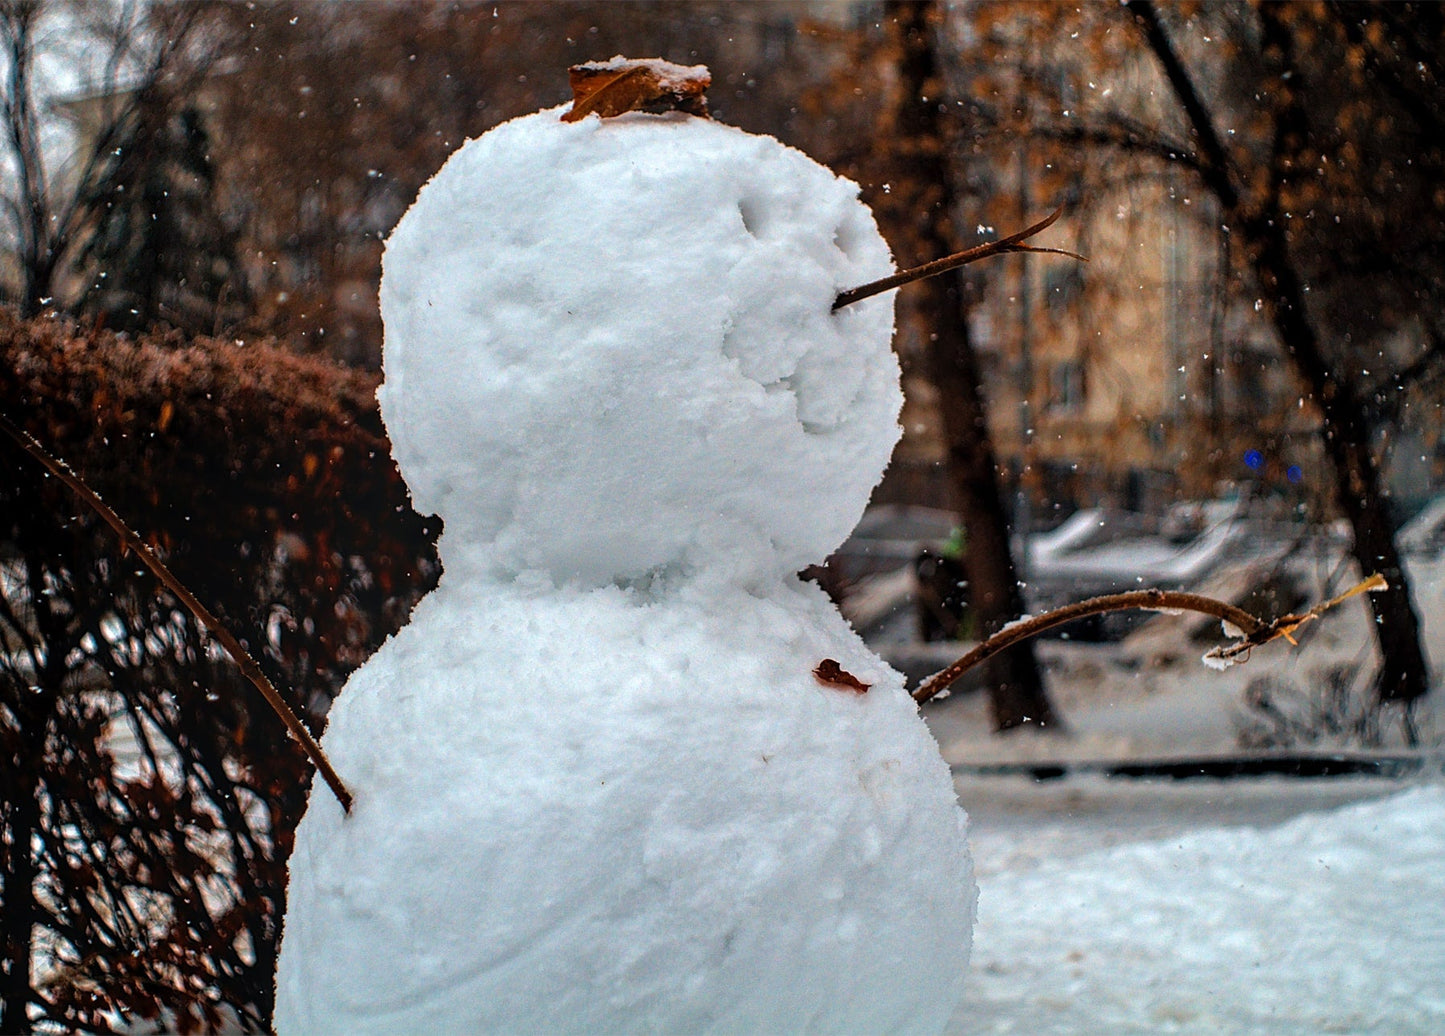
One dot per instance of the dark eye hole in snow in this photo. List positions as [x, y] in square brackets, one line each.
[846, 238]
[752, 217]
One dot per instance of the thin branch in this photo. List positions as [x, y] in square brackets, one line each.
[1214, 165]
[969, 255]
[1011, 634]
[1285, 625]
[1126, 137]
[130, 541]
[1255, 631]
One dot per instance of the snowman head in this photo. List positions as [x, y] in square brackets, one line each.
[610, 349]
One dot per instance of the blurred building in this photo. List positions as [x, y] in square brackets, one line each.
[1133, 380]
[1137, 378]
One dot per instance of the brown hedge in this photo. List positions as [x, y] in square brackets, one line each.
[264, 477]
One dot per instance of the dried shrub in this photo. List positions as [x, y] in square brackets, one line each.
[149, 794]
[1331, 709]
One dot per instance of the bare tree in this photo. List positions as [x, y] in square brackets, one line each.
[925, 191]
[125, 52]
[1262, 220]
[1313, 132]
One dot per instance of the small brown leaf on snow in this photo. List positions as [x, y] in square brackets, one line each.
[830, 674]
[622, 85]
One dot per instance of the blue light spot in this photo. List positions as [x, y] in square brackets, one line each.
[1293, 473]
[1253, 459]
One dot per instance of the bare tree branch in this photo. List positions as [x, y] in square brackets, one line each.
[1215, 166]
[1256, 632]
[51, 212]
[1124, 135]
[131, 542]
[953, 262]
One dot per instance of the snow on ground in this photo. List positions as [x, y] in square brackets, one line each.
[1270, 905]
[1330, 922]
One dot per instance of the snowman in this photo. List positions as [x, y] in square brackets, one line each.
[623, 771]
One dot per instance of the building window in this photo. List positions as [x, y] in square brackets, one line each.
[1249, 381]
[1067, 385]
[1063, 285]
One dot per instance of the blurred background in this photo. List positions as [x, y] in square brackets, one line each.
[1239, 394]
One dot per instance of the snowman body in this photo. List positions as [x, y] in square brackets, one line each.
[598, 787]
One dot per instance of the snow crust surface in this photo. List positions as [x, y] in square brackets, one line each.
[1331, 922]
[598, 788]
[1200, 906]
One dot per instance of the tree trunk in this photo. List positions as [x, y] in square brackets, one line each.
[1017, 691]
[1404, 676]
[18, 21]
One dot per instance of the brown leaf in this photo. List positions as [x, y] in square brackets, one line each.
[610, 88]
[830, 674]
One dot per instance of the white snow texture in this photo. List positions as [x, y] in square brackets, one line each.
[610, 349]
[1333, 922]
[597, 787]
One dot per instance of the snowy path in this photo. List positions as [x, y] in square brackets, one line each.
[1207, 907]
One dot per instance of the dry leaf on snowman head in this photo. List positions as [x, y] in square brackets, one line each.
[621, 85]
[830, 674]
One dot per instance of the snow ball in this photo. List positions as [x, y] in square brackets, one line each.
[580, 813]
[610, 350]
